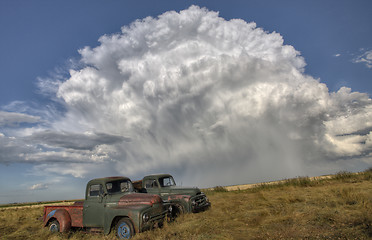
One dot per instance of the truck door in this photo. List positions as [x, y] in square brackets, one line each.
[93, 211]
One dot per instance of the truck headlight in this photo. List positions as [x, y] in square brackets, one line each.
[145, 217]
[170, 209]
[193, 203]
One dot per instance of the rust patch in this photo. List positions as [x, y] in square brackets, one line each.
[139, 198]
[137, 184]
[178, 197]
[75, 213]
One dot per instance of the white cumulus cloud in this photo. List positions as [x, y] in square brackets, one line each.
[213, 101]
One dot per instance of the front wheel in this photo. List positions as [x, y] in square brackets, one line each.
[174, 213]
[54, 226]
[124, 229]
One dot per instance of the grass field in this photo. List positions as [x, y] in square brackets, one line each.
[339, 207]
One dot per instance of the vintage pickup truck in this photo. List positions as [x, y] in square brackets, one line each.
[109, 203]
[182, 199]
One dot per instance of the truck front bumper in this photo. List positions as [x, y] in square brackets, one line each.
[199, 203]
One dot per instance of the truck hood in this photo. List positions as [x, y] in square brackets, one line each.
[139, 198]
[192, 191]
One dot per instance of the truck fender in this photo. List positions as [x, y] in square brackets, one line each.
[62, 216]
[180, 201]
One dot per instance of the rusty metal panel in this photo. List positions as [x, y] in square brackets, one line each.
[137, 184]
[139, 198]
[75, 211]
[179, 197]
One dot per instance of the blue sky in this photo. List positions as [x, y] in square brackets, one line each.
[41, 41]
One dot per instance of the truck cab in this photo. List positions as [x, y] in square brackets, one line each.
[182, 199]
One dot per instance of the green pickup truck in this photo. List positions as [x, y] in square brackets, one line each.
[182, 199]
[109, 203]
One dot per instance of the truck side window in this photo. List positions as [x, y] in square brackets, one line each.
[95, 190]
[151, 183]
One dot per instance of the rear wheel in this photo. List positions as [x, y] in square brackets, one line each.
[124, 229]
[54, 226]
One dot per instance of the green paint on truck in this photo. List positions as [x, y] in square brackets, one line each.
[182, 199]
[109, 203]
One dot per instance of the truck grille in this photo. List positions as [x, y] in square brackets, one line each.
[200, 199]
[201, 202]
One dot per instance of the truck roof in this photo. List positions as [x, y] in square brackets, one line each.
[107, 179]
[159, 175]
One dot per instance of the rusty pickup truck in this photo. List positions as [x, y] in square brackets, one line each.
[182, 199]
[110, 203]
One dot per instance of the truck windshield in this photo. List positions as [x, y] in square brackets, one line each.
[167, 181]
[119, 186]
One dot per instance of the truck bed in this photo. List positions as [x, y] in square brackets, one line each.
[75, 211]
[137, 185]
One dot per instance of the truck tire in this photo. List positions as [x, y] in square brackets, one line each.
[54, 227]
[177, 210]
[124, 229]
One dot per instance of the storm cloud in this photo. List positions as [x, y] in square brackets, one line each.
[214, 101]
[86, 141]
[10, 119]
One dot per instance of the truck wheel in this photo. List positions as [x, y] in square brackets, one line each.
[54, 226]
[175, 213]
[124, 229]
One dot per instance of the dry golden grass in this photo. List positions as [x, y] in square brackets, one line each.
[335, 208]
